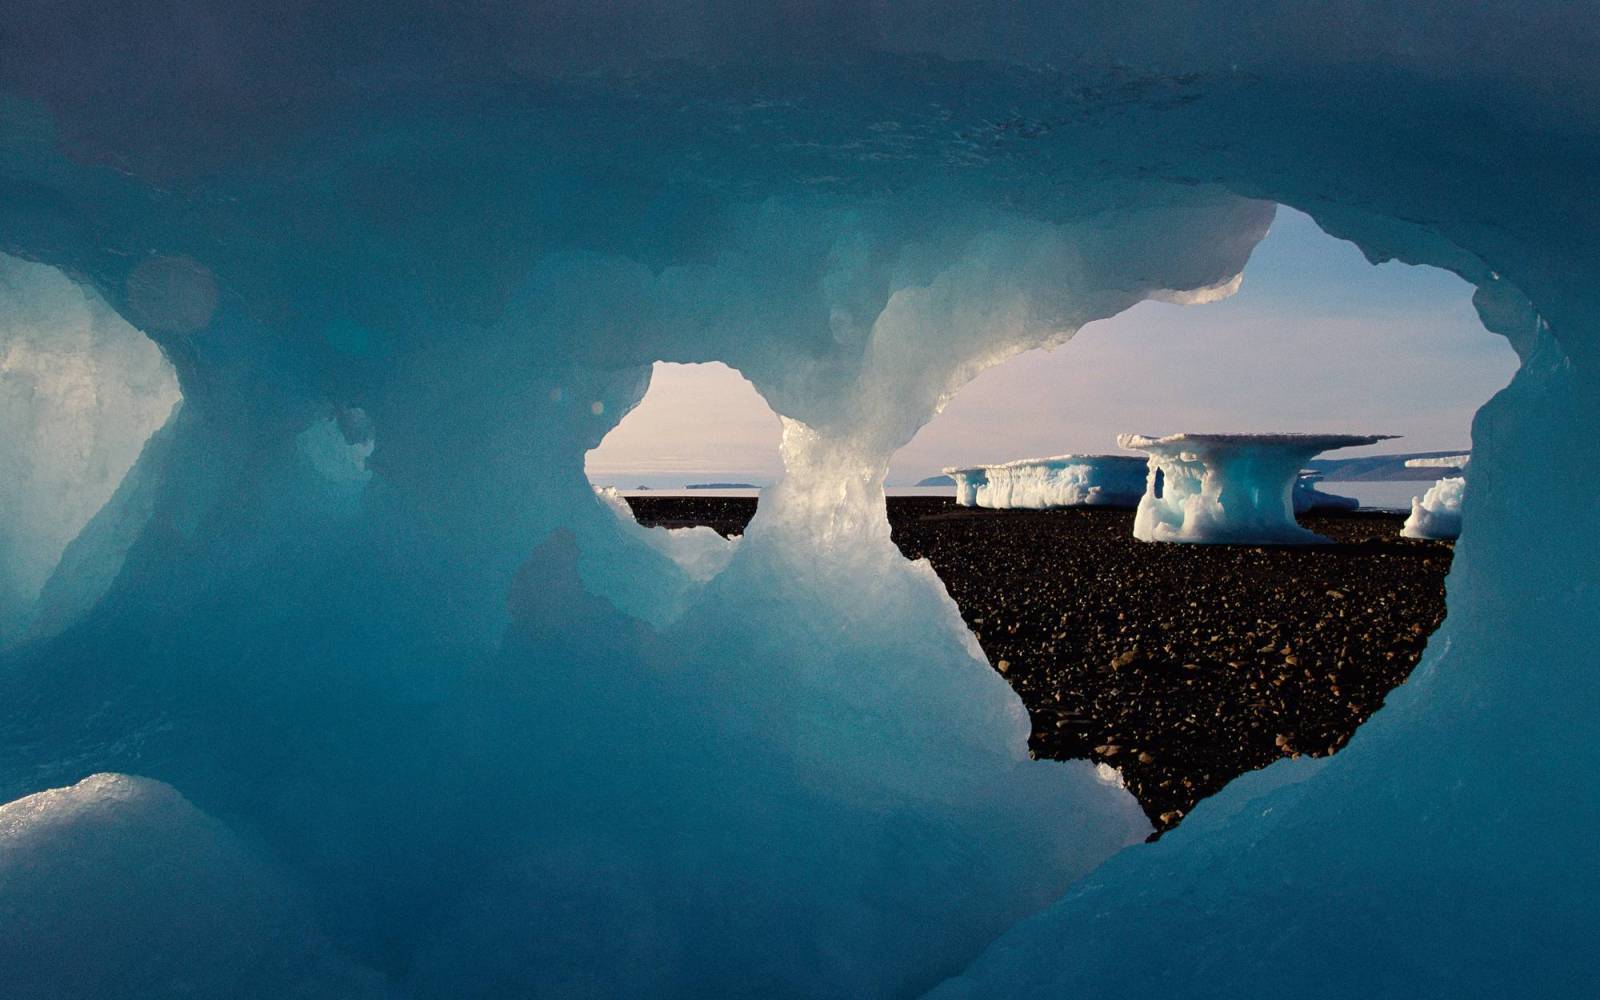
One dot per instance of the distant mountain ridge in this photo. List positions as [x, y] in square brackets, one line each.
[940, 480]
[1380, 468]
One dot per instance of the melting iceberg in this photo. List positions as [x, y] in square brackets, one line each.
[1059, 481]
[1308, 498]
[1437, 513]
[1228, 488]
[405, 709]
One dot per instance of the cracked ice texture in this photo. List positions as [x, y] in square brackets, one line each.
[502, 745]
[1228, 488]
[1058, 481]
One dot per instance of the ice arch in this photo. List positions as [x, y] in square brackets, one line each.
[696, 424]
[441, 695]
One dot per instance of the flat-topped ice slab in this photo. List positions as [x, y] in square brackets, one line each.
[1228, 488]
[1440, 462]
[1053, 481]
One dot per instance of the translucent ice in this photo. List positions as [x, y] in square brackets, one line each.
[80, 391]
[497, 742]
[118, 887]
[1228, 488]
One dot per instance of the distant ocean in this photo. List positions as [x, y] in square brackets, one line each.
[1378, 495]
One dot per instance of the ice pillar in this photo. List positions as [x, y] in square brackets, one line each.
[1228, 488]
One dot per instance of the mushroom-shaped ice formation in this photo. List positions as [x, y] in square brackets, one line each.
[1228, 488]
[969, 481]
[1056, 481]
[1437, 513]
[1307, 497]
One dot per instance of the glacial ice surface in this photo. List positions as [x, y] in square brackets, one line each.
[447, 726]
[1058, 481]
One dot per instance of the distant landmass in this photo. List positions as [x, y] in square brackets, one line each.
[937, 481]
[745, 486]
[1379, 468]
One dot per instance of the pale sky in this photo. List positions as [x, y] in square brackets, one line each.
[1316, 339]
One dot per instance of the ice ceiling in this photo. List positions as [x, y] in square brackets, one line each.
[383, 701]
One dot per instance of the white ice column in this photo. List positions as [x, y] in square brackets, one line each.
[968, 482]
[1228, 488]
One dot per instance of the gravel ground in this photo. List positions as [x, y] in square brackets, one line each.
[1181, 665]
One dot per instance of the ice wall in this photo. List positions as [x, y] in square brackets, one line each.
[1059, 481]
[498, 744]
[80, 392]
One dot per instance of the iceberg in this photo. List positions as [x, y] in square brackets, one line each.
[421, 716]
[1058, 481]
[1308, 498]
[1437, 513]
[1228, 488]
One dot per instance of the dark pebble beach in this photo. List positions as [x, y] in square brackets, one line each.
[1182, 666]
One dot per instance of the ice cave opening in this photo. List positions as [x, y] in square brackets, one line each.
[699, 426]
[1315, 336]
[383, 700]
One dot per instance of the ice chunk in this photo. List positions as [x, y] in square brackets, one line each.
[1437, 513]
[699, 550]
[1228, 488]
[1058, 481]
[117, 887]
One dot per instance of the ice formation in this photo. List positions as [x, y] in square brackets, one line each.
[1059, 481]
[447, 727]
[80, 392]
[1228, 488]
[1307, 497]
[968, 482]
[1437, 513]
